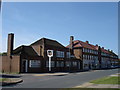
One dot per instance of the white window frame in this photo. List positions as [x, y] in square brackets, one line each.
[34, 63]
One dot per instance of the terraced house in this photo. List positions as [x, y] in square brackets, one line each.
[93, 56]
[78, 55]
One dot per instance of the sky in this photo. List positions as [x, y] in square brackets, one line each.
[96, 22]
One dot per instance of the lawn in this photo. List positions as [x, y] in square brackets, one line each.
[107, 80]
[3, 79]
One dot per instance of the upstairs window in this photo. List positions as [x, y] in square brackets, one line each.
[60, 54]
[68, 54]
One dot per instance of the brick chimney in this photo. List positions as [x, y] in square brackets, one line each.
[10, 44]
[71, 41]
[71, 45]
[96, 44]
[87, 42]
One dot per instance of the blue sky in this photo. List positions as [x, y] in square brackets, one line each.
[95, 22]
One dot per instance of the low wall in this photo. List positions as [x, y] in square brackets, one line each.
[10, 64]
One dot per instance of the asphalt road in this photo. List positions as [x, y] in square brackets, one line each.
[67, 81]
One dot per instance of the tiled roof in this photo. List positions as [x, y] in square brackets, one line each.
[78, 43]
[26, 49]
[105, 51]
[49, 42]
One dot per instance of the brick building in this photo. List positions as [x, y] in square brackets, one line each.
[93, 56]
[33, 58]
[76, 56]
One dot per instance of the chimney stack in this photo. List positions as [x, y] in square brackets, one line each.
[87, 42]
[71, 41]
[10, 44]
[96, 44]
[71, 45]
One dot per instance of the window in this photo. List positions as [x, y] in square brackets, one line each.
[68, 64]
[88, 57]
[52, 63]
[68, 54]
[87, 50]
[59, 54]
[74, 64]
[62, 64]
[83, 56]
[90, 51]
[59, 64]
[34, 63]
[83, 49]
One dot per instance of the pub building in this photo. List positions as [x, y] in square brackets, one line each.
[76, 56]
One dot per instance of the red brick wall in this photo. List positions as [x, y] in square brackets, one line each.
[10, 64]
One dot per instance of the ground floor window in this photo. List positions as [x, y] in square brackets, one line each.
[62, 64]
[74, 64]
[85, 65]
[68, 63]
[59, 64]
[34, 63]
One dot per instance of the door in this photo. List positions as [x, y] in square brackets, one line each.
[25, 65]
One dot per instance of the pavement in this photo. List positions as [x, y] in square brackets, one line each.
[51, 74]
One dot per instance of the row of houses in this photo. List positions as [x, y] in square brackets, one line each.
[78, 55]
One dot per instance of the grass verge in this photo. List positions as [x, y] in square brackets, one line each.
[107, 80]
[3, 79]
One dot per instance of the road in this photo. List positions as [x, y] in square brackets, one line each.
[67, 81]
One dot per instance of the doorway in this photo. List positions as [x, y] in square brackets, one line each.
[25, 65]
